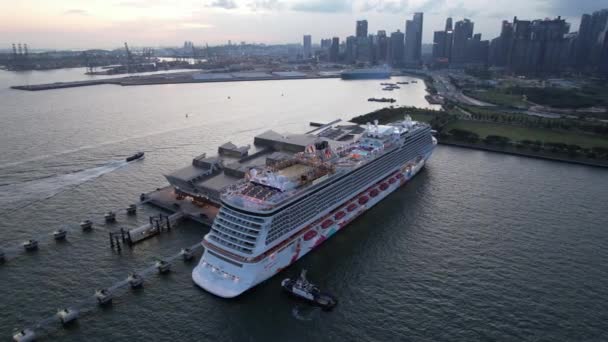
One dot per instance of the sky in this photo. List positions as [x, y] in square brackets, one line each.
[83, 24]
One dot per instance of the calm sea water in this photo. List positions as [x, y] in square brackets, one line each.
[478, 247]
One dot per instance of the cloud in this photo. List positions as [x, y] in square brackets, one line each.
[572, 8]
[76, 11]
[266, 5]
[188, 26]
[384, 6]
[225, 4]
[323, 6]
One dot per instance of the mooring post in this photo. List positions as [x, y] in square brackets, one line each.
[118, 244]
[168, 223]
[122, 234]
[129, 241]
[111, 240]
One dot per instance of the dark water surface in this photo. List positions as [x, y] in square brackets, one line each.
[478, 247]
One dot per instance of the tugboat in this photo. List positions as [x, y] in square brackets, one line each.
[302, 288]
[136, 156]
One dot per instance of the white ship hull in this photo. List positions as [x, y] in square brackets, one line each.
[226, 279]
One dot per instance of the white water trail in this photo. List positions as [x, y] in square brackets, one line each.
[19, 195]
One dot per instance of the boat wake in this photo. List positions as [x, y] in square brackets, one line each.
[305, 314]
[19, 195]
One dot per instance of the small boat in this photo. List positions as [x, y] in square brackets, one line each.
[310, 234]
[25, 335]
[388, 88]
[86, 224]
[187, 254]
[136, 156]
[67, 315]
[162, 266]
[103, 296]
[60, 234]
[135, 280]
[30, 245]
[326, 224]
[303, 289]
[403, 82]
[414, 81]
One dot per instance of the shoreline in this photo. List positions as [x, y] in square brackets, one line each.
[523, 154]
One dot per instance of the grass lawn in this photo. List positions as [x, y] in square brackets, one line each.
[516, 133]
[498, 98]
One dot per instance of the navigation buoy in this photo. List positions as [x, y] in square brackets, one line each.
[30, 245]
[26, 335]
[67, 315]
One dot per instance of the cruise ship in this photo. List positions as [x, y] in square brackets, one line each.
[368, 73]
[303, 189]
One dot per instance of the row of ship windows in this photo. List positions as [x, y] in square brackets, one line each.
[246, 217]
[287, 221]
[238, 227]
[230, 245]
[242, 222]
[224, 228]
[232, 238]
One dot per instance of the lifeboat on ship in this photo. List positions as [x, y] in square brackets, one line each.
[310, 234]
[392, 181]
[351, 207]
[399, 175]
[326, 224]
[363, 199]
[339, 215]
[383, 186]
[374, 193]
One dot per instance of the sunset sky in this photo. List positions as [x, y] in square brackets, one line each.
[82, 24]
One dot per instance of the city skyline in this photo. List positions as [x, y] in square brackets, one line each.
[86, 24]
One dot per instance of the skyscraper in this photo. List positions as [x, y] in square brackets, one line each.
[381, 47]
[440, 45]
[448, 24]
[462, 32]
[396, 49]
[351, 42]
[307, 43]
[334, 50]
[362, 28]
[413, 39]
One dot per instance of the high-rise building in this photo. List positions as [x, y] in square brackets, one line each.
[448, 24]
[307, 46]
[396, 49]
[590, 41]
[361, 28]
[350, 53]
[363, 49]
[463, 31]
[413, 39]
[381, 47]
[334, 50]
[539, 45]
[440, 45]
